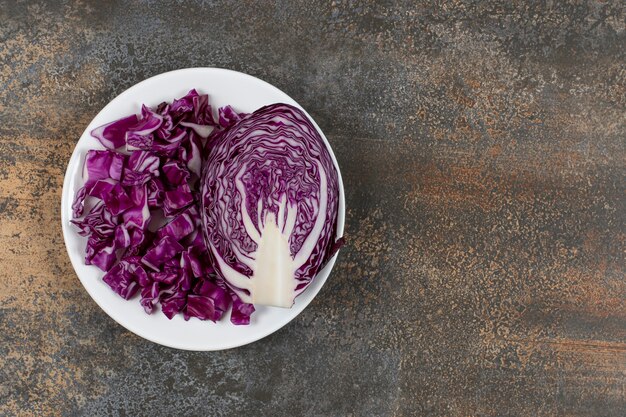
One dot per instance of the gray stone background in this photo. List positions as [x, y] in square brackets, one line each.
[483, 150]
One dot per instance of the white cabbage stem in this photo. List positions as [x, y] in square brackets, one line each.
[273, 281]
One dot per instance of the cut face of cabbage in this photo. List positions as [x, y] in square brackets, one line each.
[269, 205]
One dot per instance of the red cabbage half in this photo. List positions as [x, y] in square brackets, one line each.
[270, 197]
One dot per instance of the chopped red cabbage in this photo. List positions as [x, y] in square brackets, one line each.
[145, 229]
[181, 226]
[164, 250]
[113, 135]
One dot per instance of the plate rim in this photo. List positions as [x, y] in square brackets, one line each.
[67, 197]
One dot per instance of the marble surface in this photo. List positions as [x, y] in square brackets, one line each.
[483, 150]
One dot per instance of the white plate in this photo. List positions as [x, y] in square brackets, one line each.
[246, 94]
